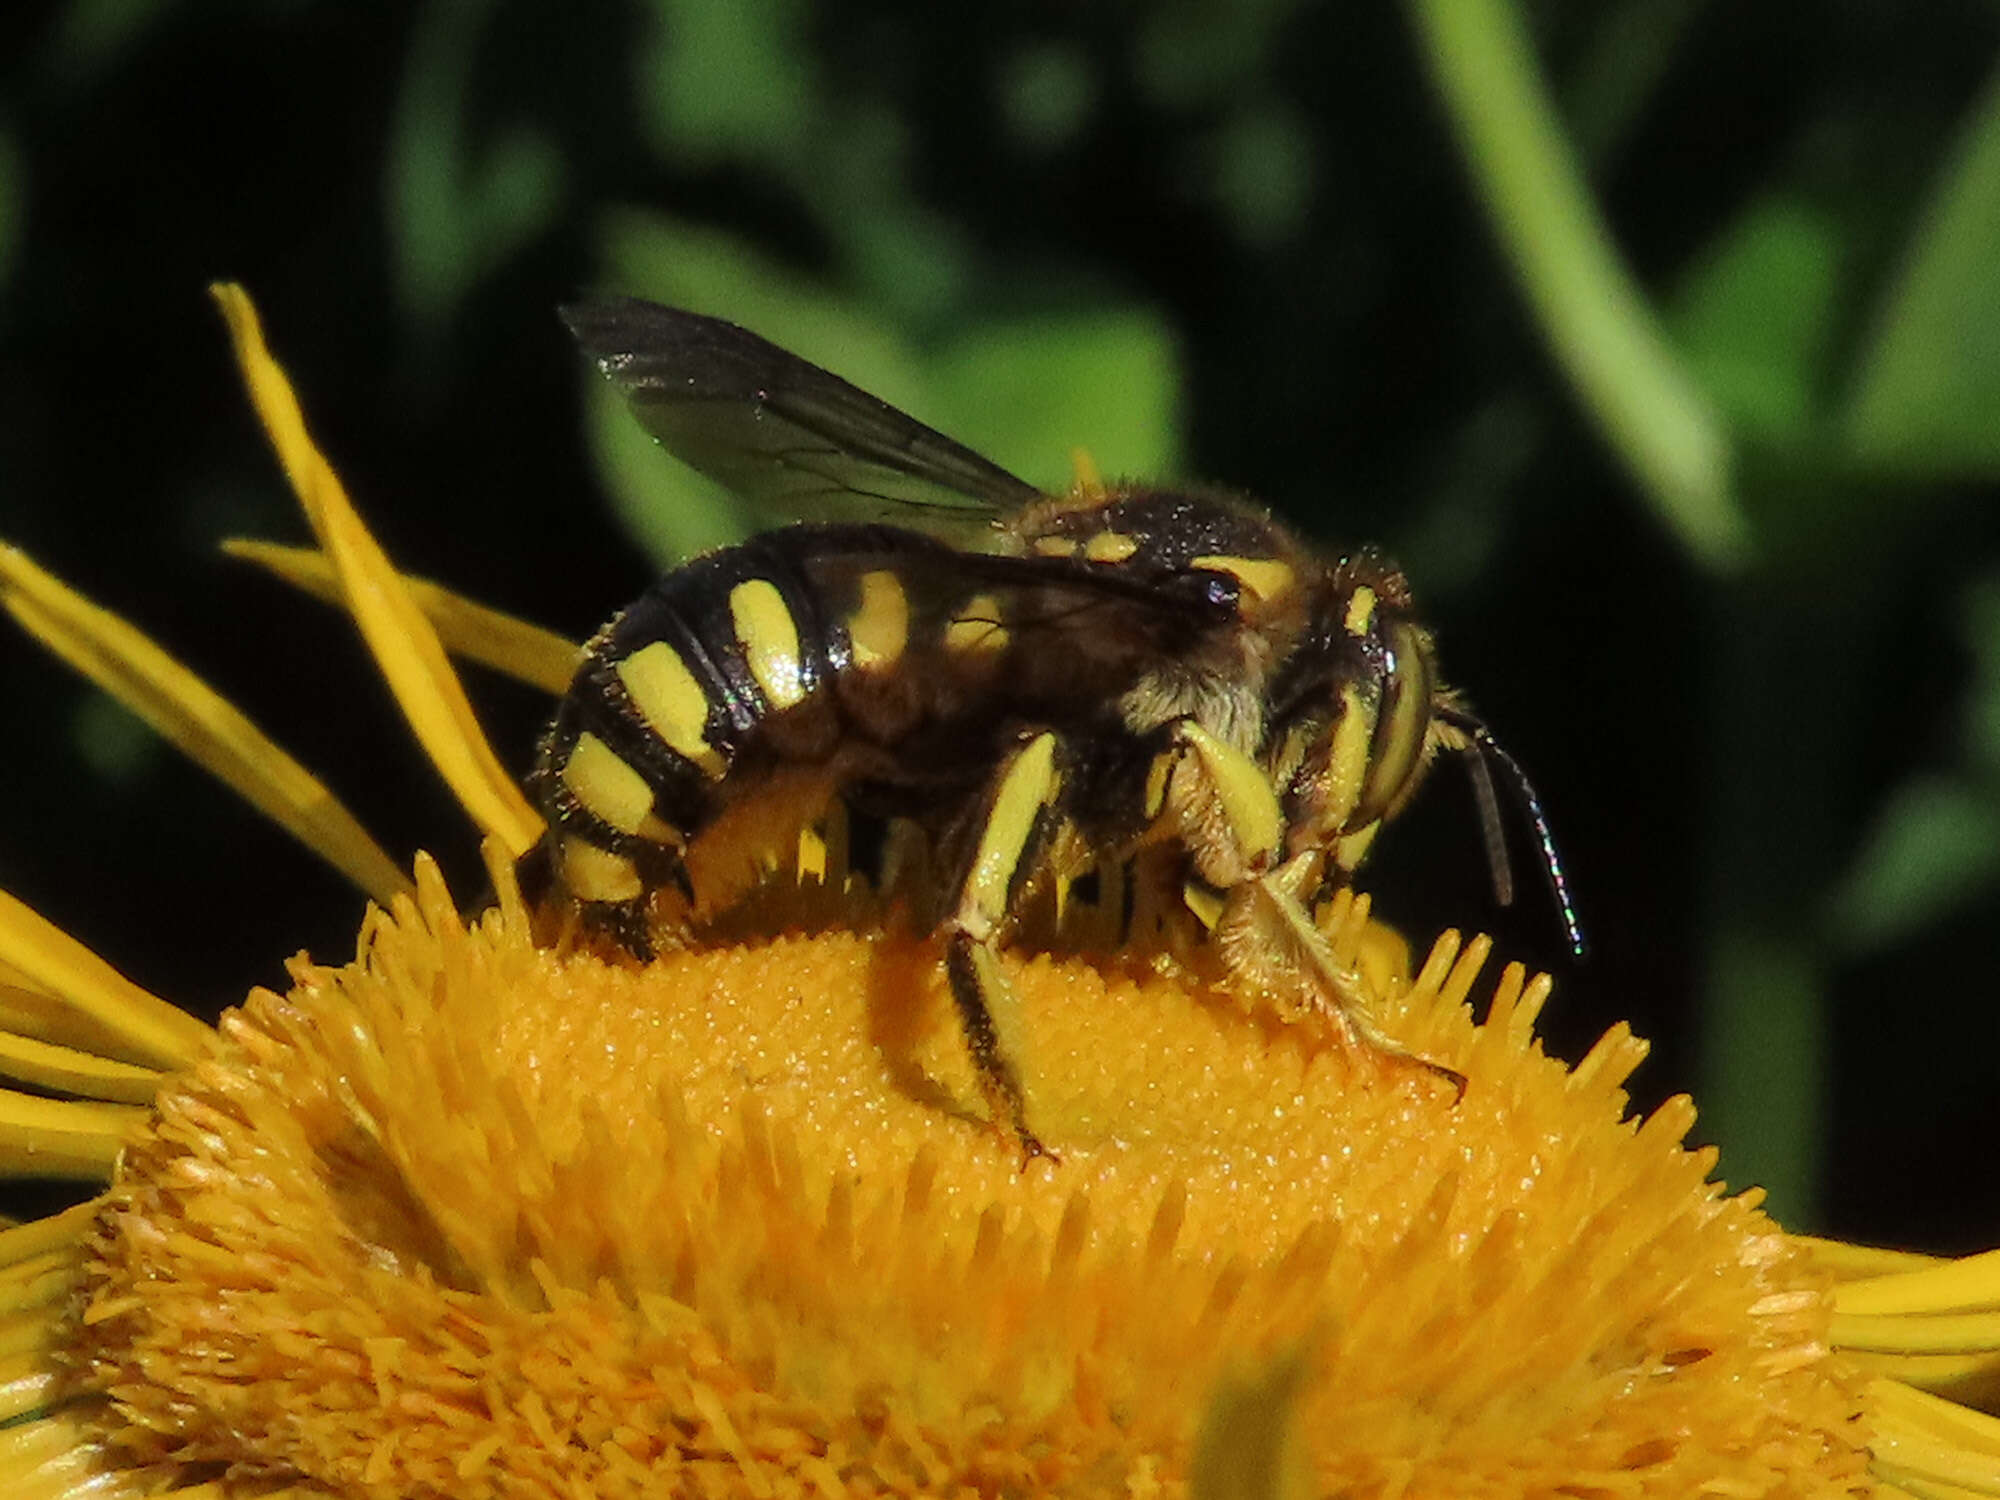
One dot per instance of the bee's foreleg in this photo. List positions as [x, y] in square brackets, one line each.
[1022, 793]
[1216, 801]
[1223, 808]
[1267, 936]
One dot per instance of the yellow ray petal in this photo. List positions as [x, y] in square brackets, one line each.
[40, 1236]
[525, 652]
[20, 1280]
[1923, 1439]
[37, 1293]
[1849, 1262]
[1973, 1281]
[1921, 1489]
[53, 1459]
[1959, 1376]
[404, 645]
[25, 1382]
[60, 1137]
[197, 719]
[37, 1332]
[1900, 1484]
[138, 1026]
[70, 1071]
[27, 1011]
[1947, 1333]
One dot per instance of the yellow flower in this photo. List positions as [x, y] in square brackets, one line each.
[473, 1215]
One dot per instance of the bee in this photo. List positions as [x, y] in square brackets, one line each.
[1165, 682]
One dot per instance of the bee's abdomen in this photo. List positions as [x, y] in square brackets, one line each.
[727, 668]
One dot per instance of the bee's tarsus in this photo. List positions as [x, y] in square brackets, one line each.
[1458, 1081]
[1032, 1149]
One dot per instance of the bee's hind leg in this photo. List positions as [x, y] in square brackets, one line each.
[978, 988]
[1014, 816]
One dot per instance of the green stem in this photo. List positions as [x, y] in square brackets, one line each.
[1594, 317]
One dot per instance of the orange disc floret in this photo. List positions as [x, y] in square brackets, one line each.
[473, 1217]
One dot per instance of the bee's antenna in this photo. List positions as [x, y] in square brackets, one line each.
[1491, 833]
[1482, 749]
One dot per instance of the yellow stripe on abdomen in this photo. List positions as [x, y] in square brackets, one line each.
[594, 874]
[673, 703]
[770, 640]
[879, 628]
[606, 785]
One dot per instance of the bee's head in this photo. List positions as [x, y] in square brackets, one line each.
[1357, 714]
[1354, 711]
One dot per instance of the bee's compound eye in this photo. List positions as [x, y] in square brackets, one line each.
[1396, 754]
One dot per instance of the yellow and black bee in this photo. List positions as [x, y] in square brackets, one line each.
[1162, 682]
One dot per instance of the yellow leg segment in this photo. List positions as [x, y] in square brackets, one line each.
[1024, 789]
[1217, 802]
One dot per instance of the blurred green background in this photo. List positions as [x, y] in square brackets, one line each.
[1659, 339]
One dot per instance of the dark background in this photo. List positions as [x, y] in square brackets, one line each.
[1706, 525]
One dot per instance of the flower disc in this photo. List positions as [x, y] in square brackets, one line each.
[474, 1217]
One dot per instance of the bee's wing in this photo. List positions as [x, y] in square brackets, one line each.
[1069, 609]
[789, 437]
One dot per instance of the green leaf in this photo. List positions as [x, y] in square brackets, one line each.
[1047, 91]
[1629, 47]
[1924, 398]
[1934, 849]
[722, 81]
[1598, 324]
[93, 36]
[1936, 846]
[1029, 392]
[1753, 319]
[1189, 56]
[1263, 162]
[456, 210]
